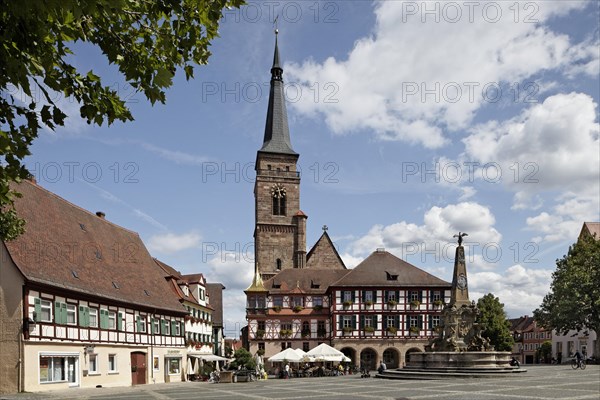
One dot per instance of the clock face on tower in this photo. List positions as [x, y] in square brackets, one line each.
[278, 191]
[461, 282]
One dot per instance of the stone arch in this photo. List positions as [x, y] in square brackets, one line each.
[411, 350]
[368, 358]
[350, 353]
[391, 357]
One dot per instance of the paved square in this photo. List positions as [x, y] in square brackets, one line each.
[540, 382]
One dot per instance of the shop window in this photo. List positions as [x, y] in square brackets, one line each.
[174, 366]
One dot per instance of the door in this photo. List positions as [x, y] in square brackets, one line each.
[138, 368]
[72, 371]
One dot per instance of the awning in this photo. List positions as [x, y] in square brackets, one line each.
[209, 357]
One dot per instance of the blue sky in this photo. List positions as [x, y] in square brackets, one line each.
[413, 121]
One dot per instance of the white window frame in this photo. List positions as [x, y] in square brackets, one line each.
[436, 320]
[167, 327]
[46, 305]
[177, 329]
[369, 295]
[369, 321]
[437, 295]
[114, 367]
[297, 301]
[112, 320]
[72, 312]
[143, 324]
[347, 321]
[95, 371]
[94, 314]
[413, 321]
[178, 371]
[414, 295]
[391, 320]
[391, 295]
[156, 326]
[346, 295]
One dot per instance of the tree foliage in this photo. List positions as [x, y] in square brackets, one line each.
[244, 359]
[147, 40]
[495, 325]
[574, 298]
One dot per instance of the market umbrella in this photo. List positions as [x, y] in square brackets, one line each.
[190, 366]
[324, 352]
[288, 354]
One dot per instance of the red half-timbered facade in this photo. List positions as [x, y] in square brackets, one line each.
[95, 308]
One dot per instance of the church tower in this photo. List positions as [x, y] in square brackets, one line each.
[280, 231]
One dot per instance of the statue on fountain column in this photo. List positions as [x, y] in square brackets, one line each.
[459, 330]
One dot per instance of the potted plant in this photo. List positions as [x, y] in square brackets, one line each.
[297, 308]
[260, 333]
[391, 330]
[415, 304]
[276, 308]
[368, 303]
[392, 303]
[414, 330]
[318, 307]
[347, 329]
[369, 329]
[438, 303]
[260, 352]
[347, 303]
[285, 333]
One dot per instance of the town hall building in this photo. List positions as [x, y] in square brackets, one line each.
[383, 309]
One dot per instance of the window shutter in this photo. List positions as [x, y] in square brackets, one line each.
[397, 321]
[182, 331]
[431, 296]
[407, 323]
[63, 312]
[352, 293]
[364, 295]
[86, 316]
[173, 325]
[374, 296]
[138, 324]
[104, 319]
[57, 317]
[37, 304]
[420, 321]
[384, 321]
[397, 295]
[119, 321]
[163, 326]
[340, 322]
[353, 322]
[430, 318]
[385, 296]
[82, 316]
[374, 321]
[420, 296]
[362, 321]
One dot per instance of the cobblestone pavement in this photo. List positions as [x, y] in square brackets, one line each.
[540, 382]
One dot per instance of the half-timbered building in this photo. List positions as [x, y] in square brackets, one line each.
[85, 302]
[382, 309]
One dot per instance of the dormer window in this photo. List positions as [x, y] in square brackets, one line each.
[186, 290]
[391, 277]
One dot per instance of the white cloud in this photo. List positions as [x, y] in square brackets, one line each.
[169, 243]
[179, 157]
[520, 289]
[434, 236]
[382, 85]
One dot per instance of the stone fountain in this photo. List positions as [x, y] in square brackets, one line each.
[459, 350]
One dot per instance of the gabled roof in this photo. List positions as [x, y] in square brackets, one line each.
[67, 247]
[380, 268]
[175, 279]
[521, 324]
[302, 280]
[591, 229]
[215, 293]
[277, 133]
[323, 255]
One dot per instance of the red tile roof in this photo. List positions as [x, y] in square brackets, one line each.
[375, 269]
[67, 247]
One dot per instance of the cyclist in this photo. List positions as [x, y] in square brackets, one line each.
[578, 357]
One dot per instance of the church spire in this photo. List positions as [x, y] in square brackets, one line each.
[277, 134]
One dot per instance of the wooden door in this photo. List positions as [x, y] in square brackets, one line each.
[138, 368]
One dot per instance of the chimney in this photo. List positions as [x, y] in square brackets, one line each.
[100, 214]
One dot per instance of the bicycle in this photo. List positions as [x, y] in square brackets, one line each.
[578, 364]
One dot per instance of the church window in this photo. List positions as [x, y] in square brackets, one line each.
[279, 200]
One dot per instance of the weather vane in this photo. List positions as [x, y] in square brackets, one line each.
[275, 24]
[460, 237]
